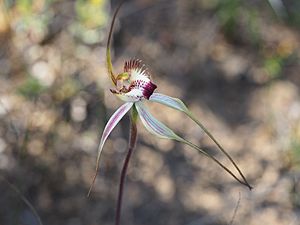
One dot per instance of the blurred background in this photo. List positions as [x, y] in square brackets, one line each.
[234, 62]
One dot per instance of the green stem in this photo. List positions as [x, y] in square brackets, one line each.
[132, 141]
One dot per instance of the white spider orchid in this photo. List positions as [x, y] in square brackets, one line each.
[134, 86]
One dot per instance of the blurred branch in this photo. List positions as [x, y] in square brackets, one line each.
[23, 198]
[278, 7]
[235, 209]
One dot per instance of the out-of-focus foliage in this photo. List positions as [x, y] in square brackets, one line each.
[36, 16]
[295, 153]
[31, 88]
[91, 16]
[242, 18]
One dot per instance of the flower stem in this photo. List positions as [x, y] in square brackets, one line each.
[132, 141]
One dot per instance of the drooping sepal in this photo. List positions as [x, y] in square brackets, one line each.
[112, 122]
[177, 104]
[153, 125]
[159, 129]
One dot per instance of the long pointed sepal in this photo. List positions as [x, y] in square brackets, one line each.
[153, 125]
[112, 122]
[177, 104]
[157, 128]
[174, 103]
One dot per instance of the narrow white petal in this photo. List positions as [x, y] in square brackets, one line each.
[153, 125]
[112, 122]
[174, 103]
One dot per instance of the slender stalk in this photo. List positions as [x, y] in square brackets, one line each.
[23, 198]
[132, 141]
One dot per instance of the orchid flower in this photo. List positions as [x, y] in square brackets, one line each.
[134, 86]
